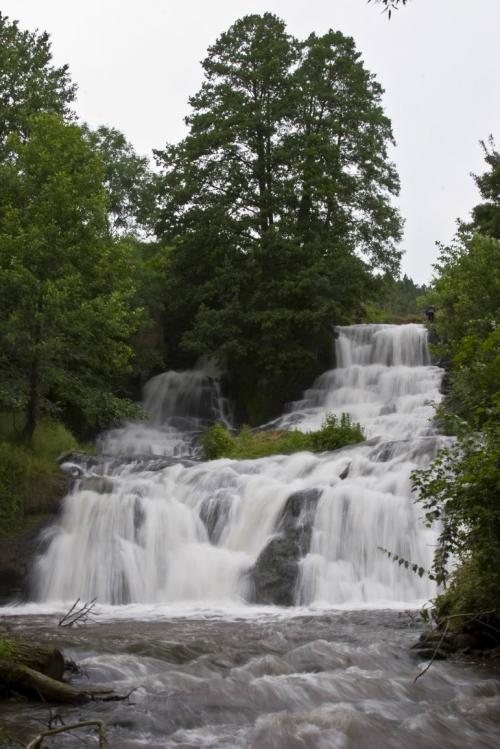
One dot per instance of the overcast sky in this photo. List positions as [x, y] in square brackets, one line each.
[136, 64]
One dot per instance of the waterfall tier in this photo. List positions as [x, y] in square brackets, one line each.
[306, 525]
[180, 406]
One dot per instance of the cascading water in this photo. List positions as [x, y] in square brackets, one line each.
[218, 531]
[180, 405]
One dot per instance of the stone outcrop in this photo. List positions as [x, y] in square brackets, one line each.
[275, 574]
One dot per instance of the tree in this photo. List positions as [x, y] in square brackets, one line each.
[29, 83]
[65, 286]
[277, 205]
[486, 215]
[127, 179]
[461, 488]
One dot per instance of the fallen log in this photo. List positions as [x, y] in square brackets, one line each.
[19, 679]
[37, 672]
[44, 658]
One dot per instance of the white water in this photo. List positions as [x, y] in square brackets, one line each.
[180, 405]
[146, 540]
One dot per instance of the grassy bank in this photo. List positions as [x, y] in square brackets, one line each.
[30, 479]
[335, 432]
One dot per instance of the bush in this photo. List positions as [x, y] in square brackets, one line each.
[461, 491]
[50, 439]
[336, 433]
[218, 442]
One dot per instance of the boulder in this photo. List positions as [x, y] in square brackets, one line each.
[275, 574]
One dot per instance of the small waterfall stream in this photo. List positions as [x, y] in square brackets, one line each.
[180, 530]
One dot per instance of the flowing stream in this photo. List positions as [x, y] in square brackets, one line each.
[190, 562]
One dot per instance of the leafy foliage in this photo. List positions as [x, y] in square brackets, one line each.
[395, 300]
[65, 286]
[486, 215]
[461, 489]
[127, 180]
[335, 433]
[29, 476]
[29, 82]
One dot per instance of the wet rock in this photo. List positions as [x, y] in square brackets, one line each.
[17, 555]
[275, 573]
[98, 484]
[345, 472]
[431, 653]
[214, 512]
[74, 457]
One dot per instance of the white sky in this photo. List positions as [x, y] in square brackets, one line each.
[136, 64]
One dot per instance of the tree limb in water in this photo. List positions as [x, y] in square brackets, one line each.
[79, 613]
[36, 743]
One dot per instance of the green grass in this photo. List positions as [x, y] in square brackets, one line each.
[29, 475]
[218, 442]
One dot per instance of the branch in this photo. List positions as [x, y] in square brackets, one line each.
[77, 615]
[446, 620]
[436, 651]
[36, 743]
[390, 5]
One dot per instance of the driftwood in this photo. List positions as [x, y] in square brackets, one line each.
[36, 743]
[21, 679]
[79, 613]
[36, 671]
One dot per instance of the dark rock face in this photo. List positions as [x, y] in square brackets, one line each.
[274, 575]
[17, 554]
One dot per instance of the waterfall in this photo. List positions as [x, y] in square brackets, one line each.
[146, 530]
[180, 406]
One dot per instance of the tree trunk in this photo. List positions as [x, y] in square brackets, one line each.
[15, 677]
[34, 400]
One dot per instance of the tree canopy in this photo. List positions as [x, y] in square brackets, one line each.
[277, 205]
[29, 82]
[64, 285]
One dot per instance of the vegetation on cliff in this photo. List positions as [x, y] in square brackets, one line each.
[461, 489]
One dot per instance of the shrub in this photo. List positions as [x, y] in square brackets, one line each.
[218, 443]
[335, 432]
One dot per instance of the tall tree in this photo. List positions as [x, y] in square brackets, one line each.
[65, 286]
[277, 204]
[29, 82]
